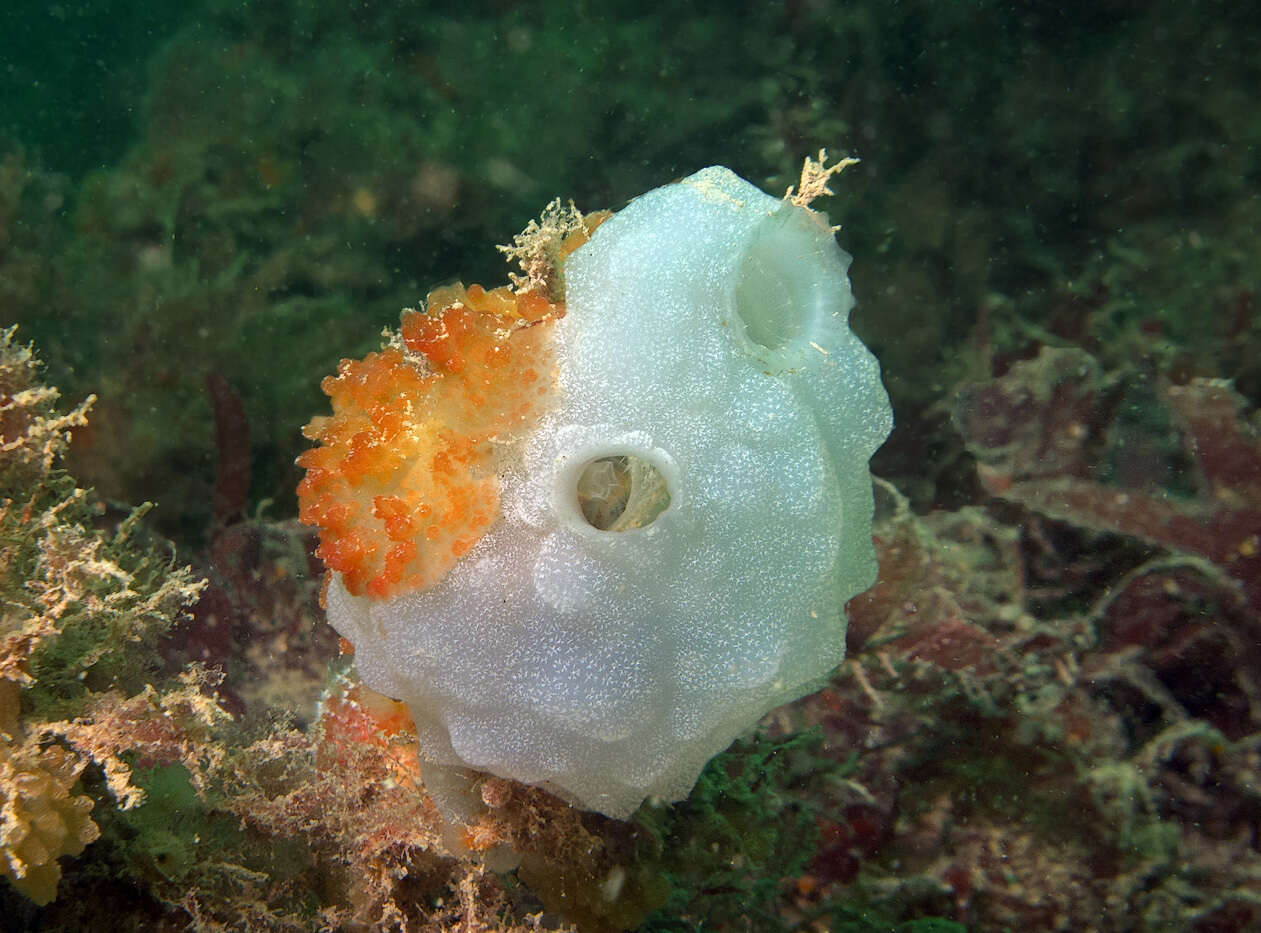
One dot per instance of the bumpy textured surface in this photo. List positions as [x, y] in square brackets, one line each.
[705, 344]
[41, 819]
[403, 482]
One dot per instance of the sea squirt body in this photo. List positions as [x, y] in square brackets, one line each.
[679, 527]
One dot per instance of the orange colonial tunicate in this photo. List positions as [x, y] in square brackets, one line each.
[353, 719]
[403, 481]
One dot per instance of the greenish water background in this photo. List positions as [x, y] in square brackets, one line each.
[235, 184]
[204, 209]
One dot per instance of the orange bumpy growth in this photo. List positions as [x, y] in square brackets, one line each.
[352, 716]
[404, 480]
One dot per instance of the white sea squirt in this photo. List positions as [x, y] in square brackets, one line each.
[680, 517]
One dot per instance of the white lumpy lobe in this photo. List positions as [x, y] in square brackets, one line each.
[679, 535]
